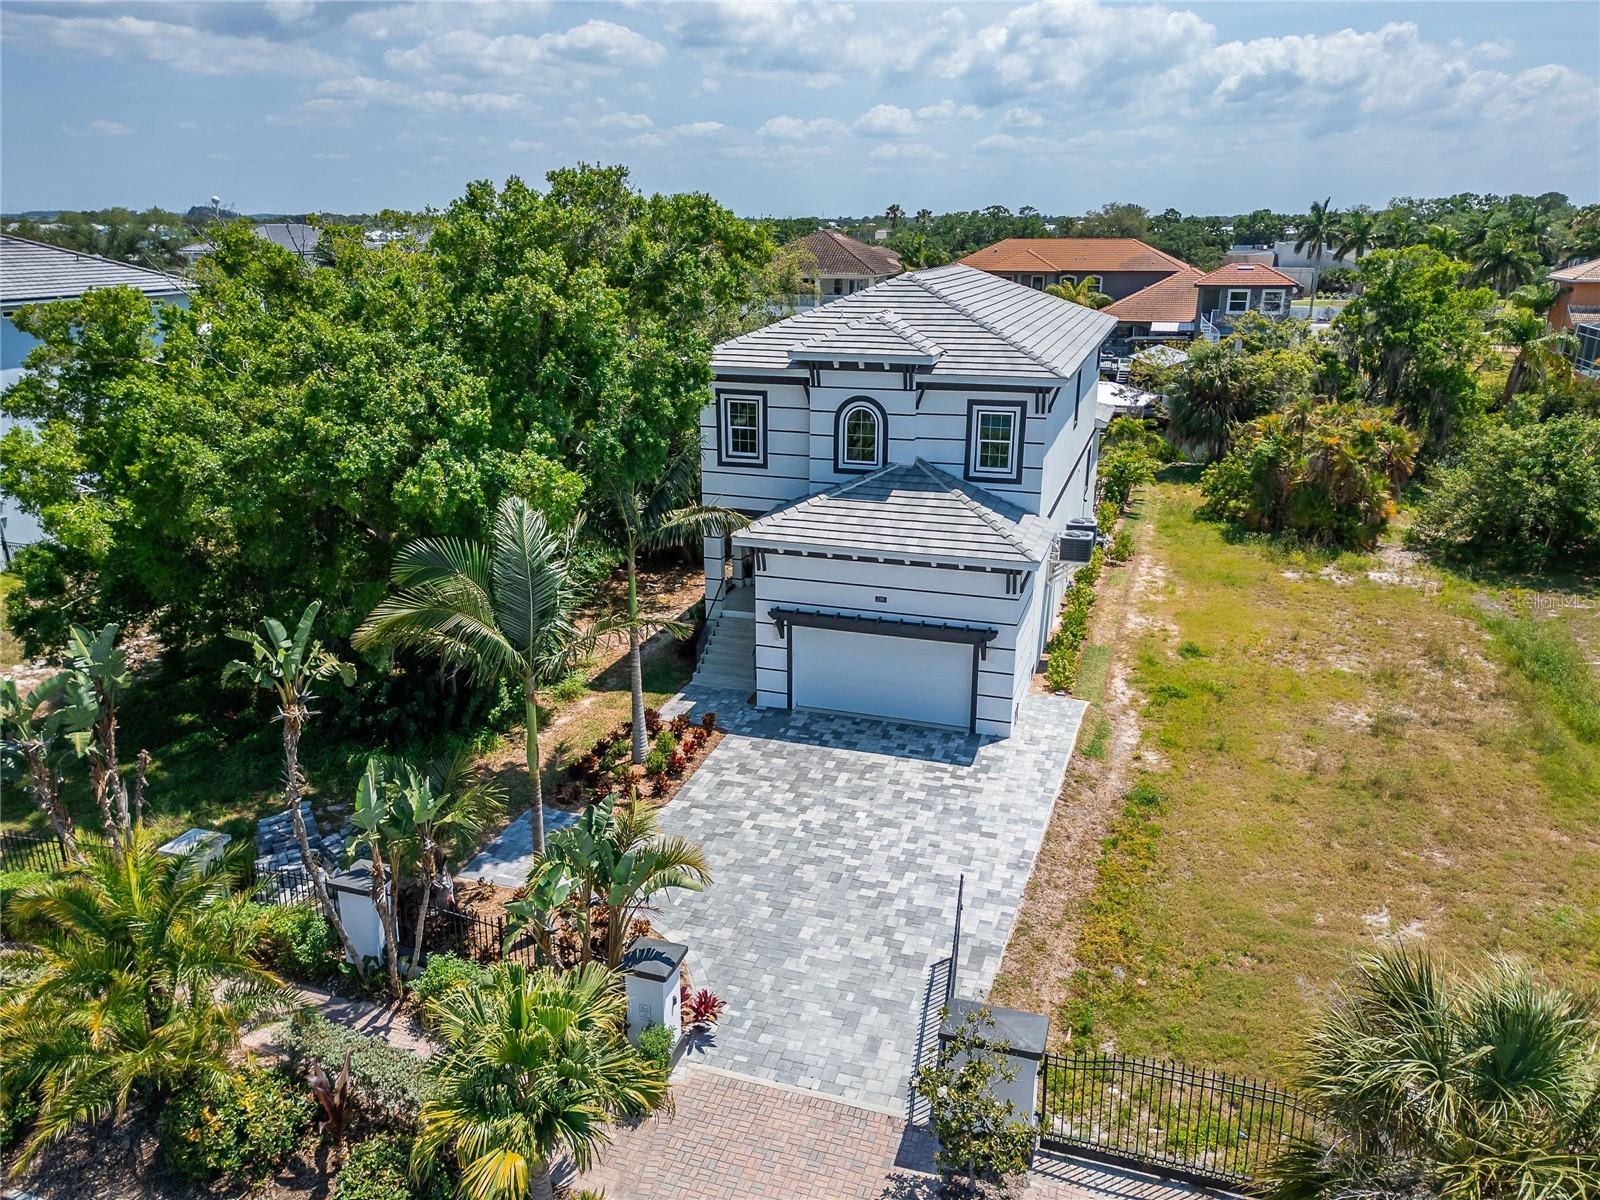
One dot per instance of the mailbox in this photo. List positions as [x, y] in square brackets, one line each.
[652, 972]
[352, 892]
[1023, 1034]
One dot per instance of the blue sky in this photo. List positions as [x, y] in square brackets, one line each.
[798, 107]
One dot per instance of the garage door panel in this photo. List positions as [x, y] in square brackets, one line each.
[906, 679]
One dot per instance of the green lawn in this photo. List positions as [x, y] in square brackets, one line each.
[1329, 759]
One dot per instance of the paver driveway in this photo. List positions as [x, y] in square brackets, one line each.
[836, 844]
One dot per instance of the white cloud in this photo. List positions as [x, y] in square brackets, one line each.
[595, 44]
[100, 128]
[1007, 143]
[696, 129]
[906, 152]
[646, 141]
[331, 156]
[363, 90]
[87, 34]
[887, 120]
[624, 120]
[1022, 117]
[798, 129]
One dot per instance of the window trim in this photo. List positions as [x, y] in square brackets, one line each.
[725, 455]
[1036, 282]
[1018, 411]
[1227, 302]
[842, 467]
[1098, 283]
[1278, 296]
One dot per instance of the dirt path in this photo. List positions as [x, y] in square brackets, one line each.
[1039, 962]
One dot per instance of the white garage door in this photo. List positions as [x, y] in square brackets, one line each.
[905, 679]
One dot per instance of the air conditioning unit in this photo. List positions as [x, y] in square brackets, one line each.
[1075, 545]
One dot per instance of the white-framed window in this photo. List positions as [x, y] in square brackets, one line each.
[1036, 282]
[1238, 300]
[743, 427]
[994, 441]
[1095, 282]
[860, 436]
[1272, 302]
[838, 287]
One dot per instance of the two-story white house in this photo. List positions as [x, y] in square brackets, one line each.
[912, 455]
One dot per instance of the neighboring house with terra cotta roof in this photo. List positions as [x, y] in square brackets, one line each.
[832, 264]
[1577, 307]
[1192, 302]
[1119, 267]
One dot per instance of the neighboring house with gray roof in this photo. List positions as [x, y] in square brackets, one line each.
[37, 273]
[295, 236]
[913, 455]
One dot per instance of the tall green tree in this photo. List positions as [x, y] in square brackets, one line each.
[142, 977]
[1315, 233]
[1356, 233]
[1486, 1086]
[1504, 261]
[534, 1065]
[1413, 338]
[502, 610]
[1539, 350]
[289, 666]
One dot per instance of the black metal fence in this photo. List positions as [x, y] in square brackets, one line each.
[1180, 1122]
[31, 852]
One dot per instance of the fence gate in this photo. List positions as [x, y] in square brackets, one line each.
[1174, 1121]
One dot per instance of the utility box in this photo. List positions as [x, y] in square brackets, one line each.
[352, 892]
[652, 972]
[1075, 545]
[201, 847]
[1023, 1035]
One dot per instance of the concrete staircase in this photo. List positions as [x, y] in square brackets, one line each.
[729, 660]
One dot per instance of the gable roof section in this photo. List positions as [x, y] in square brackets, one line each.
[1584, 272]
[832, 253]
[1171, 299]
[908, 510]
[881, 337]
[1245, 275]
[983, 327]
[1016, 255]
[34, 272]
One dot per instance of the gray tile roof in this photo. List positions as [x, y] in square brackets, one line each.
[910, 510]
[983, 325]
[33, 272]
[881, 337]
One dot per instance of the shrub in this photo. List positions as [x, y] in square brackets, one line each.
[1519, 496]
[1327, 473]
[389, 1083]
[1061, 654]
[442, 973]
[1106, 515]
[12, 882]
[704, 1007]
[299, 942]
[16, 1113]
[1122, 546]
[1121, 471]
[655, 1043]
[379, 1168]
[709, 722]
[655, 763]
[242, 1127]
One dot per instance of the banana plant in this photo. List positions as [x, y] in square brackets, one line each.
[96, 675]
[379, 824]
[546, 893]
[289, 667]
[30, 744]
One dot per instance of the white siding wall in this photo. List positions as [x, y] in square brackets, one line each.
[751, 488]
[1070, 433]
[921, 593]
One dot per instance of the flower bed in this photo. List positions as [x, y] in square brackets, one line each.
[677, 747]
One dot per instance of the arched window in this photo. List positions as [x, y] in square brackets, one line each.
[859, 436]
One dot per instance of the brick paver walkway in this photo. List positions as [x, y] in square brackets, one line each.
[733, 1138]
[836, 844]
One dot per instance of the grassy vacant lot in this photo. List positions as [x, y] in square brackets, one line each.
[1335, 749]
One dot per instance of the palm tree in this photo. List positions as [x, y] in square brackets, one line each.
[145, 978]
[1082, 292]
[534, 1065]
[1397, 228]
[651, 513]
[289, 666]
[505, 609]
[1503, 262]
[1355, 234]
[924, 217]
[30, 742]
[1446, 239]
[895, 214]
[443, 814]
[1315, 234]
[1486, 1087]
[1538, 349]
